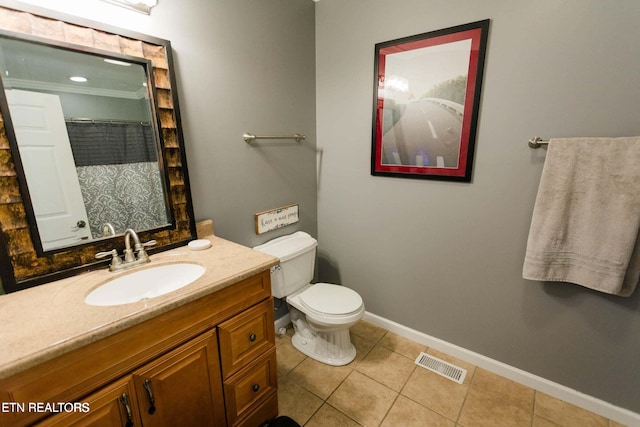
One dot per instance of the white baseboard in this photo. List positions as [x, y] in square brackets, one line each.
[282, 322]
[597, 406]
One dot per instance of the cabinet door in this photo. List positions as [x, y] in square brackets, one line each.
[184, 387]
[114, 405]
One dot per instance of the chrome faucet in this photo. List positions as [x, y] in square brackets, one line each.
[128, 252]
[130, 259]
[108, 230]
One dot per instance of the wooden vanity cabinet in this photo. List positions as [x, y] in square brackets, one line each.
[110, 406]
[210, 362]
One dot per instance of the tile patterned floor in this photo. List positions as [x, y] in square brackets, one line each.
[384, 387]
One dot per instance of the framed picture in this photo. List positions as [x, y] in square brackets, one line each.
[425, 105]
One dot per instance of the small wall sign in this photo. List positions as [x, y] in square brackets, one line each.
[276, 218]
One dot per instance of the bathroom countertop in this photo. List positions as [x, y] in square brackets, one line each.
[49, 320]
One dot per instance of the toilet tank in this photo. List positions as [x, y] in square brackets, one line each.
[297, 254]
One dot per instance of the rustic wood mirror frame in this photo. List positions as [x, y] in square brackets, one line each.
[20, 265]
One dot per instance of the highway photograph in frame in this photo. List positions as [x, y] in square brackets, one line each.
[426, 101]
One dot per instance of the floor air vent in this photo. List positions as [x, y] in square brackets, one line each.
[441, 367]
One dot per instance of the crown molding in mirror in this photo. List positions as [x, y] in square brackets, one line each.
[142, 6]
[20, 265]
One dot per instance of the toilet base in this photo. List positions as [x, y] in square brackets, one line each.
[332, 347]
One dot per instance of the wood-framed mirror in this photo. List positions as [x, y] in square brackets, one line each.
[142, 102]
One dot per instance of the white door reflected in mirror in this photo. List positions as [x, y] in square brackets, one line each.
[49, 168]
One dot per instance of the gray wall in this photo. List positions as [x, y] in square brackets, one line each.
[247, 66]
[446, 258]
[242, 66]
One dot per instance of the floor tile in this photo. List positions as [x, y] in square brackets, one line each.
[543, 422]
[363, 346]
[288, 357]
[363, 399]
[566, 414]
[486, 410]
[365, 392]
[295, 401]
[386, 367]
[328, 416]
[401, 345]
[368, 331]
[317, 377]
[436, 392]
[505, 389]
[407, 413]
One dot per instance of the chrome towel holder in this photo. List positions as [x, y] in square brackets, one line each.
[537, 142]
[249, 137]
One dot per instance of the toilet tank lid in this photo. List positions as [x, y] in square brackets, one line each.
[289, 246]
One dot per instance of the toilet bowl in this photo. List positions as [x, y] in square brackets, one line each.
[321, 313]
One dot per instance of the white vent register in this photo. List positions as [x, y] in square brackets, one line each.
[441, 367]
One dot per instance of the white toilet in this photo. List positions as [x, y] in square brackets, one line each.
[321, 313]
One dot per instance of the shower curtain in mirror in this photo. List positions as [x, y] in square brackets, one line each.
[119, 176]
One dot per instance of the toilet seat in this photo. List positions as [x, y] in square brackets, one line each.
[330, 300]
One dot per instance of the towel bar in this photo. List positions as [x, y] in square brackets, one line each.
[248, 137]
[537, 142]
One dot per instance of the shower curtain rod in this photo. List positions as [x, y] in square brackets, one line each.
[103, 121]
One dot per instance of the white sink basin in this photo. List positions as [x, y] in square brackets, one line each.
[151, 282]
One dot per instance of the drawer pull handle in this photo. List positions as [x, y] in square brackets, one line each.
[152, 401]
[255, 388]
[252, 337]
[125, 402]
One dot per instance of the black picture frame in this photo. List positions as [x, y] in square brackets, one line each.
[426, 99]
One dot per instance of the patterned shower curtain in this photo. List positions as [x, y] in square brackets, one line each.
[119, 177]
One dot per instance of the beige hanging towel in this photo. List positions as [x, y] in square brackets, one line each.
[586, 218]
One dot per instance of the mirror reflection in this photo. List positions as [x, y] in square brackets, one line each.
[84, 126]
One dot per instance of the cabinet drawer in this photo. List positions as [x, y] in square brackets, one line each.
[261, 415]
[250, 388]
[246, 336]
